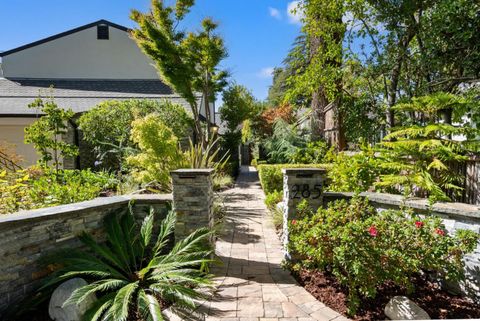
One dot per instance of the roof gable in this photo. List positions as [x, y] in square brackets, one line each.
[63, 34]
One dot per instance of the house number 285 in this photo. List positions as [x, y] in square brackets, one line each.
[304, 191]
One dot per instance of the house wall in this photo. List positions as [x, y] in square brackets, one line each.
[82, 55]
[12, 131]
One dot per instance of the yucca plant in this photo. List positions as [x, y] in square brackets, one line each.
[133, 274]
[206, 156]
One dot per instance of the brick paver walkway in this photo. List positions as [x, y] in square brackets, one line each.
[252, 286]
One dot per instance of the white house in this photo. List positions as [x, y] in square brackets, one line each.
[85, 66]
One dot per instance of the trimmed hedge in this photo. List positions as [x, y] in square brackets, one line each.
[271, 176]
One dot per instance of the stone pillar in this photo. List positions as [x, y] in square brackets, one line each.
[300, 184]
[192, 200]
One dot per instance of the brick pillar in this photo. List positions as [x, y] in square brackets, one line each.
[300, 184]
[192, 200]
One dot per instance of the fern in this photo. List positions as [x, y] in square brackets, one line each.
[416, 159]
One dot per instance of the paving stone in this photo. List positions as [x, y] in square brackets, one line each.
[252, 286]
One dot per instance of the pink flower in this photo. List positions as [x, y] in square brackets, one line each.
[419, 224]
[373, 231]
[440, 231]
[294, 222]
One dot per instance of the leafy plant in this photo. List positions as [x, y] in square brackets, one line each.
[272, 199]
[283, 143]
[364, 249]
[37, 187]
[222, 181]
[135, 274]
[159, 152]
[187, 62]
[47, 133]
[311, 153]
[418, 156]
[107, 126]
[353, 173]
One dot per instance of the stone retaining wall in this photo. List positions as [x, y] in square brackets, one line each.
[27, 236]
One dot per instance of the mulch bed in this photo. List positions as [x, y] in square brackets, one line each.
[437, 303]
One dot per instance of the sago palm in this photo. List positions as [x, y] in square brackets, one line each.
[134, 274]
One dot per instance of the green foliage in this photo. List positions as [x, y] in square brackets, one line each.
[46, 134]
[311, 153]
[206, 156]
[418, 156]
[272, 199]
[271, 177]
[283, 143]
[135, 273]
[36, 188]
[159, 152]
[353, 173]
[108, 126]
[222, 181]
[238, 105]
[187, 62]
[364, 249]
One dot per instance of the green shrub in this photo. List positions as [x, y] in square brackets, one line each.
[134, 274]
[365, 249]
[272, 199]
[108, 126]
[222, 181]
[311, 153]
[353, 173]
[159, 152]
[271, 176]
[37, 187]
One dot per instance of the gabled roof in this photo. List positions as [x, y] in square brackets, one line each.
[79, 95]
[63, 34]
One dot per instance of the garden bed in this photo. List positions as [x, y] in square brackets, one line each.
[438, 303]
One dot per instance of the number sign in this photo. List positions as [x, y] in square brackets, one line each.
[304, 191]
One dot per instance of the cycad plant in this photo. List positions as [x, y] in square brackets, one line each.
[417, 158]
[133, 274]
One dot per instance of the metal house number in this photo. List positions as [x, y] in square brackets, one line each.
[304, 191]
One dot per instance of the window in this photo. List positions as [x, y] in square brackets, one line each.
[102, 32]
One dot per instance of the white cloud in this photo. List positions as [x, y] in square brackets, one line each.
[294, 13]
[274, 12]
[265, 72]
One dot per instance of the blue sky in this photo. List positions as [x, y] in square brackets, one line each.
[258, 33]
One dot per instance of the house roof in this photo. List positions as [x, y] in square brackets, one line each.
[79, 95]
[63, 34]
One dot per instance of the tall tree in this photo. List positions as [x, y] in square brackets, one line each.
[189, 63]
[322, 76]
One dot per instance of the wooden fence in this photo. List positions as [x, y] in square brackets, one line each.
[470, 173]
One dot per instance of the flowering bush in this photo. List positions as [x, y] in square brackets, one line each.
[365, 249]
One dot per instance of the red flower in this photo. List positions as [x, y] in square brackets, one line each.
[373, 231]
[440, 232]
[419, 224]
[294, 222]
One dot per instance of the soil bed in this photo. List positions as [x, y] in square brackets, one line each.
[439, 304]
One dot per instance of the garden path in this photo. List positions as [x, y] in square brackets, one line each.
[252, 286]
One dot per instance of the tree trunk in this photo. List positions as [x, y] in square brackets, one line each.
[396, 73]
